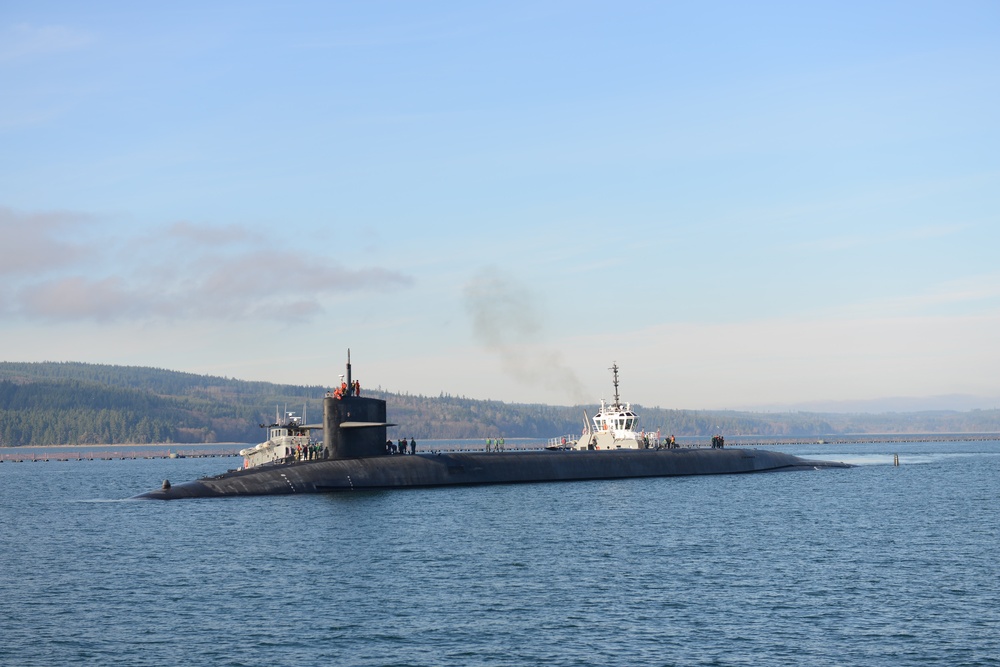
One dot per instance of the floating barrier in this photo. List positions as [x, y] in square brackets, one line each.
[112, 455]
[751, 441]
[11, 455]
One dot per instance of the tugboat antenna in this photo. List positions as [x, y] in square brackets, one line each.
[614, 369]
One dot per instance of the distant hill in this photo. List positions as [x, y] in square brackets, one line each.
[49, 403]
[76, 403]
[943, 402]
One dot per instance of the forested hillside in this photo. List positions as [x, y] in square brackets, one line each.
[75, 403]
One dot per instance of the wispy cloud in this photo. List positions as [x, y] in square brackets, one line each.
[40, 241]
[421, 28]
[863, 240]
[22, 41]
[183, 270]
[224, 234]
[981, 290]
[81, 298]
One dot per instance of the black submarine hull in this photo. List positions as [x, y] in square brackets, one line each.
[477, 468]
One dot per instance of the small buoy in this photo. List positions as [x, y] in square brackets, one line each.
[166, 484]
[895, 459]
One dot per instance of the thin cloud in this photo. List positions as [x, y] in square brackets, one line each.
[24, 41]
[849, 242]
[284, 283]
[982, 291]
[35, 242]
[181, 271]
[81, 298]
[243, 288]
[204, 234]
[458, 25]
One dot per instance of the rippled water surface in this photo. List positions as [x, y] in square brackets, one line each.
[874, 565]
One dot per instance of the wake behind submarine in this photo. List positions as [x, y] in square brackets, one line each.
[354, 457]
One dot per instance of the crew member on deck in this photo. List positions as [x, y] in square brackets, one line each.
[413, 445]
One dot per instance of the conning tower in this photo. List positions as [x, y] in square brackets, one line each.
[353, 426]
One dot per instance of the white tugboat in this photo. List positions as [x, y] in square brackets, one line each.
[283, 441]
[615, 426]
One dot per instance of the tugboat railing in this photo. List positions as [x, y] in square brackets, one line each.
[567, 439]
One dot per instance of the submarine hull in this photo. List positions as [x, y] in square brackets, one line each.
[477, 468]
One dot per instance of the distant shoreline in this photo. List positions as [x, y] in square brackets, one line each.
[129, 444]
[874, 438]
[731, 440]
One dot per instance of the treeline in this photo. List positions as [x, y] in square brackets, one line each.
[449, 417]
[74, 403]
[73, 412]
[809, 424]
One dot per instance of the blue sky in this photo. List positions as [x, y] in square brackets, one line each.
[742, 204]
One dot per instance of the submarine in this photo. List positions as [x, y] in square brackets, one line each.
[354, 457]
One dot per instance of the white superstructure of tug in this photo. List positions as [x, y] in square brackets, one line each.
[615, 426]
[282, 441]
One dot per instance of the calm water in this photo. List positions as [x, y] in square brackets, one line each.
[876, 565]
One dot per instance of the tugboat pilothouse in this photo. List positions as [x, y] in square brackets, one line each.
[614, 426]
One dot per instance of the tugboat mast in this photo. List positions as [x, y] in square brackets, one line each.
[614, 369]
